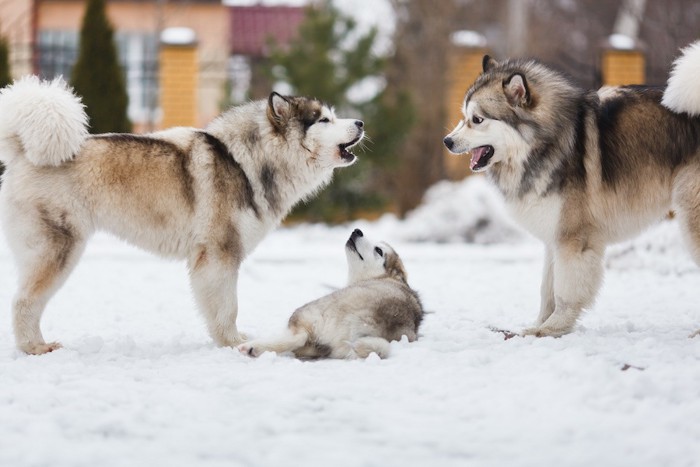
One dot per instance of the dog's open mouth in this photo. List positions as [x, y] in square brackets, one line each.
[350, 244]
[346, 155]
[480, 157]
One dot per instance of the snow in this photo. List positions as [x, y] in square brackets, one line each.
[466, 38]
[621, 42]
[139, 382]
[178, 36]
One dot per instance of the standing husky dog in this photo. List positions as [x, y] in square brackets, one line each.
[376, 307]
[581, 170]
[208, 196]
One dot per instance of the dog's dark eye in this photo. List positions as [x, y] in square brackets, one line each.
[379, 251]
[476, 119]
[324, 120]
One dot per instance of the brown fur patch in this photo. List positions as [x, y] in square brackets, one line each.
[201, 259]
[302, 110]
[62, 237]
[230, 245]
[269, 183]
[394, 267]
[126, 171]
[397, 317]
[60, 233]
[229, 177]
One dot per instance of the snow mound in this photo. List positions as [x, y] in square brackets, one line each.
[470, 211]
[660, 248]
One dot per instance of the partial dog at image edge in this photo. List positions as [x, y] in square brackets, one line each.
[376, 307]
[208, 196]
[583, 169]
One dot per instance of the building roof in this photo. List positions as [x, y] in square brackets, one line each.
[253, 26]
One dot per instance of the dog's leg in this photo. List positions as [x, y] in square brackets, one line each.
[364, 346]
[686, 199]
[547, 288]
[577, 276]
[288, 342]
[214, 279]
[43, 268]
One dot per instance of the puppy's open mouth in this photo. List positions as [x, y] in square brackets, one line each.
[346, 155]
[480, 157]
[350, 244]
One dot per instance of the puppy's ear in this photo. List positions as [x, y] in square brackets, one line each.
[487, 63]
[279, 109]
[395, 268]
[516, 90]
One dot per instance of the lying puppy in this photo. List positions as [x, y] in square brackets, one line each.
[376, 307]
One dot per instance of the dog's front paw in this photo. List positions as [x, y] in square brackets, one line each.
[695, 334]
[544, 331]
[249, 349]
[40, 349]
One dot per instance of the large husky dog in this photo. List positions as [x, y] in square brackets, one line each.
[376, 307]
[208, 196]
[581, 169]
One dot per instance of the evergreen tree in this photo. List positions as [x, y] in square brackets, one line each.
[326, 60]
[97, 76]
[5, 77]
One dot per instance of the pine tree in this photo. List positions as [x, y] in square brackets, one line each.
[97, 76]
[319, 63]
[5, 77]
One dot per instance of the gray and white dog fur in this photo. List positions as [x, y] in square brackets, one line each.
[583, 169]
[207, 196]
[376, 307]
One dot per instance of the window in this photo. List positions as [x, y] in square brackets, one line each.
[138, 56]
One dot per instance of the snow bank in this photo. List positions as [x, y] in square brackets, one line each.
[473, 211]
[470, 211]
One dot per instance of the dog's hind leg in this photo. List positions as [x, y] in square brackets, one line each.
[686, 200]
[364, 346]
[214, 279]
[46, 255]
[577, 276]
[288, 342]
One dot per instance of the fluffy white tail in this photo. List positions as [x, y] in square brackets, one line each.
[44, 121]
[683, 92]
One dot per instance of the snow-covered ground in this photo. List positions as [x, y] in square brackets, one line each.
[140, 384]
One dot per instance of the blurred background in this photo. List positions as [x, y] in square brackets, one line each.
[401, 65]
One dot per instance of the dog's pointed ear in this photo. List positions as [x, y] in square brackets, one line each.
[279, 109]
[395, 268]
[516, 90]
[487, 63]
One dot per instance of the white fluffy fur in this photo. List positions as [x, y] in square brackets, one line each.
[683, 92]
[44, 120]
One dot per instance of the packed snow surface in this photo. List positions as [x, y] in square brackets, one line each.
[139, 382]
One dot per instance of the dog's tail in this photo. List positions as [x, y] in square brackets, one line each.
[44, 121]
[682, 94]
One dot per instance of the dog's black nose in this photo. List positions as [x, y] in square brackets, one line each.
[448, 142]
[357, 233]
[359, 123]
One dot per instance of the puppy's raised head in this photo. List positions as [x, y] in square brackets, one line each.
[325, 138]
[369, 260]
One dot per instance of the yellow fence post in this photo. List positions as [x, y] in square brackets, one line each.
[178, 77]
[464, 67]
[622, 66]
